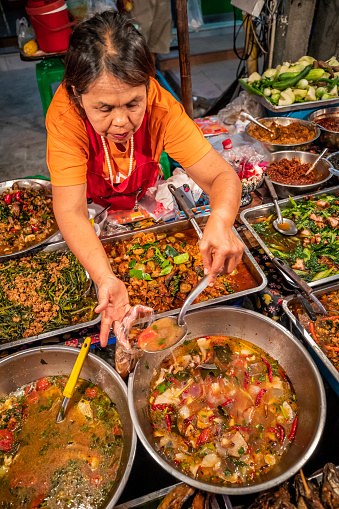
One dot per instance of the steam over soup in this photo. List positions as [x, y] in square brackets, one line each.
[222, 410]
[72, 464]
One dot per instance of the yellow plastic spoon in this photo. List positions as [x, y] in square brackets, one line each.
[73, 378]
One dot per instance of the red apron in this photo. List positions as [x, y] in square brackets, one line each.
[122, 196]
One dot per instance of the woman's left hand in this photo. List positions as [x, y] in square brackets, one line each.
[220, 248]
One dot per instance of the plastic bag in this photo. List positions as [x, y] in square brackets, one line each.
[24, 32]
[231, 114]
[127, 352]
[194, 15]
[94, 6]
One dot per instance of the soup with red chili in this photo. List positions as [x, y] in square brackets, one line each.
[222, 410]
[72, 464]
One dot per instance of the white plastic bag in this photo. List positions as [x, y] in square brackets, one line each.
[230, 115]
[194, 15]
[24, 32]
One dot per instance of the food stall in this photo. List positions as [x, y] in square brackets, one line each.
[48, 306]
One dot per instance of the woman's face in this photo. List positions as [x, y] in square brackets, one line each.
[114, 109]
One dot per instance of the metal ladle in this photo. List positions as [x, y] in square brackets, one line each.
[316, 161]
[281, 224]
[247, 116]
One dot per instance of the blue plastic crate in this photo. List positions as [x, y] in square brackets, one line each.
[202, 208]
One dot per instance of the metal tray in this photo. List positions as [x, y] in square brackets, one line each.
[24, 183]
[179, 226]
[265, 210]
[324, 364]
[292, 107]
[57, 246]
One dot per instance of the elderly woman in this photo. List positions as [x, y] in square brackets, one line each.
[108, 124]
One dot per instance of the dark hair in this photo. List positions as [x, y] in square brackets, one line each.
[106, 42]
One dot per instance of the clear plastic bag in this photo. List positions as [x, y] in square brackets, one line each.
[194, 14]
[230, 115]
[127, 352]
[24, 32]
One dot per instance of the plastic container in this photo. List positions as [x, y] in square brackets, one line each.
[51, 24]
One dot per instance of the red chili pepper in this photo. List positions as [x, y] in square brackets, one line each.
[177, 462]
[326, 317]
[13, 230]
[334, 348]
[163, 406]
[155, 394]
[275, 431]
[203, 437]
[282, 433]
[34, 228]
[269, 367]
[8, 198]
[168, 421]
[293, 429]
[258, 382]
[211, 418]
[188, 420]
[259, 397]
[242, 428]
[247, 380]
[172, 379]
[312, 331]
[228, 401]
[283, 376]
[18, 196]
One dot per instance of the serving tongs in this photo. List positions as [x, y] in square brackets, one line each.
[73, 379]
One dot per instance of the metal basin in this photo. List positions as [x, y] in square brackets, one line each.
[275, 147]
[323, 170]
[21, 368]
[277, 342]
[328, 138]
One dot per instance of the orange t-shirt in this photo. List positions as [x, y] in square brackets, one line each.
[68, 144]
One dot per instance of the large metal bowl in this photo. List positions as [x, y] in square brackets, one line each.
[277, 342]
[275, 147]
[21, 368]
[328, 138]
[323, 170]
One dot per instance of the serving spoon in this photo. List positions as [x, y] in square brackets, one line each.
[281, 224]
[247, 116]
[316, 161]
[73, 378]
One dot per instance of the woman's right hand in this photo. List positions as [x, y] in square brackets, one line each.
[113, 304]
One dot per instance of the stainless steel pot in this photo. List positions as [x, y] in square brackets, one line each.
[323, 170]
[275, 147]
[277, 342]
[21, 368]
[328, 138]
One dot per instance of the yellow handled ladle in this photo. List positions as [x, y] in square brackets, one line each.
[72, 381]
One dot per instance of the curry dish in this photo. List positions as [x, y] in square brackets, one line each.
[73, 464]
[26, 218]
[222, 410]
[159, 270]
[283, 134]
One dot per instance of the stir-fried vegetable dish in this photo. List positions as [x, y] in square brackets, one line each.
[314, 252]
[73, 464]
[222, 410]
[41, 293]
[283, 134]
[159, 270]
[26, 218]
[325, 330]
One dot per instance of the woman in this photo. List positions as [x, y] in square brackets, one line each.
[107, 126]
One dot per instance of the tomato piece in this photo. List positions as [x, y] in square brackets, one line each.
[146, 336]
[12, 423]
[28, 389]
[32, 397]
[6, 444]
[42, 384]
[91, 393]
[5, 433]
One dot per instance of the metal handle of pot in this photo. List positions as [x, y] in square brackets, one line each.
[185, 208]
[203, 283]
[307, 306]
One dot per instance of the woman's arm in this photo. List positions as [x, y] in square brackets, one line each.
[70, 209]
[221, 250]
